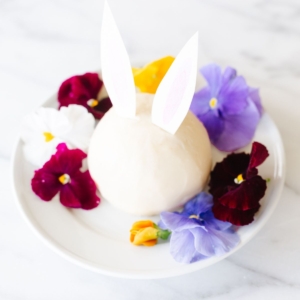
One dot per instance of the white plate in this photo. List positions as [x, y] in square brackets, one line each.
[99, 239]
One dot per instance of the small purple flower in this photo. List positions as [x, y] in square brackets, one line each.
[229, 109]
[196, 233]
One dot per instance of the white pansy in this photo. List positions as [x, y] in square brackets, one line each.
[44, 129]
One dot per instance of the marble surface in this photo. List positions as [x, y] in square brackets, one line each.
[43, 42]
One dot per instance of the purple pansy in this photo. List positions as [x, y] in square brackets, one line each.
[196, 233]
[229, 109]
[61, 174]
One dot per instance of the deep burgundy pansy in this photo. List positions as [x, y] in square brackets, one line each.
[83, 90]
[236, 186]
[61, 174]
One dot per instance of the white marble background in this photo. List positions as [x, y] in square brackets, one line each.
[42, 42]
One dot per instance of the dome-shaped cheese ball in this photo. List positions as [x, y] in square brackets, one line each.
[144, 170]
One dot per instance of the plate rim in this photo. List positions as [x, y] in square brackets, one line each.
[155, 274]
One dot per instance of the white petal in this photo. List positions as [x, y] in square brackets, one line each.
[82, 125]
[55, 121]
[36, 149]
[38, 153]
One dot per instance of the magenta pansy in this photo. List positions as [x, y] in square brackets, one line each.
[62, 175]
[84, 90]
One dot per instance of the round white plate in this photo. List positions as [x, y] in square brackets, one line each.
[99, 239]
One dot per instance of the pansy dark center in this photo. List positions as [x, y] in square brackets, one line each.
[92, 102]
[239, 179]
[48, 136]
[64, 179]
[193, 217]
[213, 102]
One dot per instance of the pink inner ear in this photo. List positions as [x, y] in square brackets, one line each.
[177, 91]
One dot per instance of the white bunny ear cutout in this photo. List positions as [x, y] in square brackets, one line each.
[116, 70]
[175, 92]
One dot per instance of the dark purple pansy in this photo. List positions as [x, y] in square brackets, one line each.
[83, 90]
[229, 109]
[236, 186]
[196, 233]
[61, 174]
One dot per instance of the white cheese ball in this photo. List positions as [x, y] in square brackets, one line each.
[144, 170]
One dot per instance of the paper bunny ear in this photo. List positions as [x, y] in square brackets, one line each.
[116, 70]
[175, 92]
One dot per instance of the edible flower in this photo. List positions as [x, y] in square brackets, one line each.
[84, 90]
[228, 108]
[236, 186]
[148, 78]
[196, 233]
[61, 175]
[44, 129]
[146, 233]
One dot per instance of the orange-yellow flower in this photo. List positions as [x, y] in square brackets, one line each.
[144, 233]
[148, 78]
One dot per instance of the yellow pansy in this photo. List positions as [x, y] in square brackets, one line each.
[148, 78]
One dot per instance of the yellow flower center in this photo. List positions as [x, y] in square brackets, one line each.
[193, 217]
[92, 102]
[64, 179]
[48, 136]
[239, 179]
[213, 102]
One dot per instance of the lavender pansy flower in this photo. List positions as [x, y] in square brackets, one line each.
[196, 233]
[229, 109]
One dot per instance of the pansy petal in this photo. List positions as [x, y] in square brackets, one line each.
[227, 170]
[182, 246]
[178, 222]
[213, 75]
[82, 125]
[197, 256]
[238, 129]
[213, 124]
[228, 75]
[200, 102]
[45, 185]
[234, 216]
[236, 163]
[233, 96]
[202, 241]
[211, 242]
[199, 204]
[70, 161]
[255, 98]
[148, 78]
[212, 222]
[84, 190]
[79, 90]
[39, 153]
[68, 197]
[219, 178]
[223, 241]
[162, 225]
[101, 108]
[246, 195]
[258, 155]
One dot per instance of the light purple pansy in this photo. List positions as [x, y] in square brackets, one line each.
[228, 108]
[196, 233]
